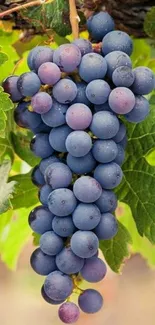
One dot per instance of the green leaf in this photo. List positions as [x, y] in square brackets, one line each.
[14, 234]
[3, 58]
[141, 52]
[6, 189]
[138, 186]
[26, 193]
[53, 15]
[36, 239]
[149, 23]
[116, 249]
[21, 145]
[6, 149]
[5, 105]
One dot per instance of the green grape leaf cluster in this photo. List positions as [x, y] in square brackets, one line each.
[6, 189]
[149, 23]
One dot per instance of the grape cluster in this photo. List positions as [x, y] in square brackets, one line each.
[72, 100]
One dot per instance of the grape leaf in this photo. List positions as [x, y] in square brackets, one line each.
[21, 145]
[149, 23]
[36, 239]
[3, 58]
[138, 186]
[116, 250]
[6, 189]
[6, 149]
[26, 193]
[5, 105]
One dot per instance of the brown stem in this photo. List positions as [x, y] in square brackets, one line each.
[20, 7]
[74, 19]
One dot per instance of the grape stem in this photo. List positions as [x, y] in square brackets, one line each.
[20, 7]
[74, 19]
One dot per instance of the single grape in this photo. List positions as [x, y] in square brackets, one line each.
[58, 286]
[105, 125]
[94, 270]
[62, 202]
[120, 134]
[69, 263]
[81, 165]
[121, 100]
[65, 91]
[120, 156]
[84, 45]
[84, 243]
[107, 202]
[69, 313]
[123, 76]
[87, 189]
[10, 87]
[67, 57]
[37, 177]
[24, 118]
[43, 194]
[51, 243]
[86, 216]
[116, 59]
[102, 107]
[63, 227]
[40, 219]
[28, 84]
[117, 41]
[49, 73]
[41, 263]
[107, 228]
[38, 56]
[40, 145]
[48, 299]
[98, 91]
[93, 66]
[99, 25]
[90, 301]
[56, 116]
[104, 151]
[78, 143]
[41, 102]
[81, 94]
[143, 82]
[78, 116]
[140, 110]
[108, 175]
[58, 175]
[58, 136]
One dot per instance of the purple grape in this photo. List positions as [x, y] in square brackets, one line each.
[144, 81]
[84, 243]
[40, 145]
[87, 189]
[10, 87]
[84, 45]
[108, 175]
[123, 76]
[62, 202]
[41, 102]
[28, 84]
[24, 118]
[44, 163]
[41, 128]
[104, 151]
[81, 94]
[78, 143]
[44, 193]
[79, 116]
[69, 263]
[69, 313]
[56, 116]
[58, 136]
[39, 55]
[41, 263]
[48, 299]
[120, 155]
[105, 125]
[121, 100]
[37, 177]
[81, 165]
[50, 243]
[90, 301]
[58, 175]
[63, 227]
[86, 216]
[67, 57]
[65, 91]
[117, 41]
[99, 25]
[116, 59]
[58, 286]
[107, 227]
[120, 134]
[93, 66]
[140, 110]
[40, 219]
[49, 73]
[94, 270]
[98, 91]
[107, 202]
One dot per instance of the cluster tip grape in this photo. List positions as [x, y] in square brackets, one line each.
[81, 140]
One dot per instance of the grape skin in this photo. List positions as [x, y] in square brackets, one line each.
[107, 201]
[63, 227]
[116, 59]
[117, 41]
[49, 73]
[105, 151]
[67, 57]
[84, 45]
[121, 100]
[41, 102]
[10, 87]
[40, 145]
[94, 270]
[78, 116]
[28, 84]
[87, 189]
[38, 56]
[65, 91]
[105, 125]
[62, 202]
[48, 299]
[78, 143]
[55, 116]
[58, 286]
[51, 243]
[86, 216]
[84, 243]
[58, 136]
[120, 156]
[41, 263]
[81, 165]
[81, 94]
[69, 313]
[24, 118]
[44, 163]
[120, 134]
[107, 228]
[108, 175]
[123, 76]
[99, 25]
[43, 194]
[58, 175]
[140, 110]
[93, 66]
[69, 263]
[144, 81]
[40, 219]
[98, 91]
[37, 177]
[90, 301]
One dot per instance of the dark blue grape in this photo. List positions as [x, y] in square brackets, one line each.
[58, 136]
[69, 263]
[104, 151]
[48, 299]
[84, 45]
[121, 100]
[78, 143]
[10, 87]
[108, 175]
[120, 155]
[28, 84]
[105, 125]
[58, 286]
[90, 301]
[86, 216]
[40, 219]
[120, 134]
[40, 145]
[117, 41]
[65, 91]
[62, 202]
[44, 193]
[123, 76]
[41, 263]
[140, 110]
[49, 73]
[58, 175]
[56, 116]
[69, 313]
[107, 228]
[44, 163]
[63, 227]
[24, 118]
[107, 202]
[51, 243]
[84, 243]
[87, 189]
[81, 165]
[94, 270]
[39, 55]
[93, 66]
[98, 91]
[41, 128]
[41, 102]
[99, 25]
[143, 82]
[37, 177]
[116, 59]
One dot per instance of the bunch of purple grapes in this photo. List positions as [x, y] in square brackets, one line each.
[72, 100]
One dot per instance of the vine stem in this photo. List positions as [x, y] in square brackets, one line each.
[20, 7]
[74, 19]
